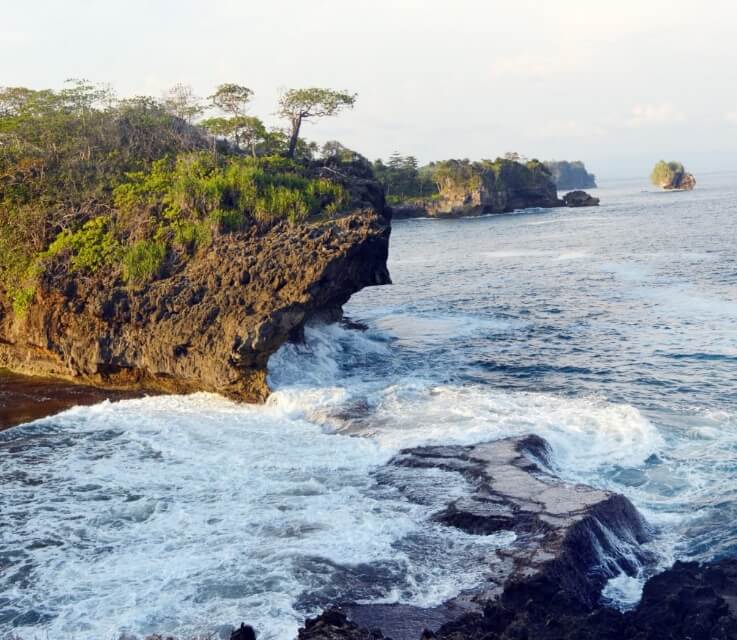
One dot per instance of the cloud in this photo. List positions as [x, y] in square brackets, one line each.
[569, 129]
[731, 116]
[529, 66]
[654, 115]
[13, 37]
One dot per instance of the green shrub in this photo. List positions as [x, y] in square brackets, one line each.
[90, 248]
[193, 235]
[227, 221]
[144, 260]
[22, 299]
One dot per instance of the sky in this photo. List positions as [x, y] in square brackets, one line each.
[618, 85]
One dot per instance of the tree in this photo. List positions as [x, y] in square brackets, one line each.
[250, 130]
[247, 129]
[298, 105]
[232, 99]
[181, 102]
[666, 174]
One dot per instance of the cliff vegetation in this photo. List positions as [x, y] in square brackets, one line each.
[89, 181]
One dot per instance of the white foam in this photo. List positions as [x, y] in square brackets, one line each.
[177, 514]
[623, 591]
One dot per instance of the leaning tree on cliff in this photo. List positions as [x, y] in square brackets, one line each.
[298, 105]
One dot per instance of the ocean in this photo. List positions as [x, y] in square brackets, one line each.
[609, 331]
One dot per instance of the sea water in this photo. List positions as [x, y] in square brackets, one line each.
[608, 331]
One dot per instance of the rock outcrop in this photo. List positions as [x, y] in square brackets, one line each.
[211, 324]
[570, 539]
[571, 175]
[685, 182]
[580, 199]
[690, 601]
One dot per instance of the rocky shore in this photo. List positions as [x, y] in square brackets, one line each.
[211, 324]
[570, 540]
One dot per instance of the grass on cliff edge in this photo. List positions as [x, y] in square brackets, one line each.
[87, 185]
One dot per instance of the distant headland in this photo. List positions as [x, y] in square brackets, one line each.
[571, 175]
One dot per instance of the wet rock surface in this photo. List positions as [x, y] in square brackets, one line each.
[26, 398]
[209, 326]
[570, 539]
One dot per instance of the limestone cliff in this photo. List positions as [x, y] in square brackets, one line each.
[211, 324]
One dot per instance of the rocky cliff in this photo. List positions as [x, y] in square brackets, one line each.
[211, 324]
[468, 189]
[571, 175]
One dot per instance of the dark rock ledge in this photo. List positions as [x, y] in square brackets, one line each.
[570, 540]
[580, 199]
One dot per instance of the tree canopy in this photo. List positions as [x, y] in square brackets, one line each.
[298, 105]
[666, 173]
[232, 99]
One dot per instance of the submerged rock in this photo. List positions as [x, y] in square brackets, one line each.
[209, 326]
[580, 199]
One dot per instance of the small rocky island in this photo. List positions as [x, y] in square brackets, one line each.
[672, 176]
[571, 175]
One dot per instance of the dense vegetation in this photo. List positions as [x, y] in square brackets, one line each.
[664, 173]
[405, 181]
[88, 181]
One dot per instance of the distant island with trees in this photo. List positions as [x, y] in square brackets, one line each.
[672, 176]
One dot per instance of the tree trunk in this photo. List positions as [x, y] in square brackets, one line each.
[296, 124]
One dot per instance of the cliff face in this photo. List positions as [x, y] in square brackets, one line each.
[571, 175]
[498, 187]
[212, 324]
